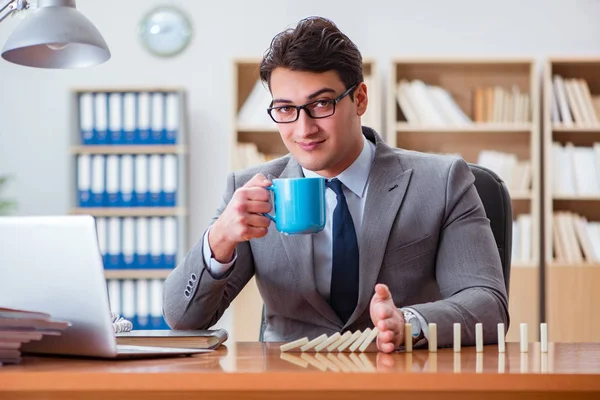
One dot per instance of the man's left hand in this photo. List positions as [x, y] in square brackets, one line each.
[387, 318]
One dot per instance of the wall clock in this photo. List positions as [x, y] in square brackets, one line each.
[165, 31]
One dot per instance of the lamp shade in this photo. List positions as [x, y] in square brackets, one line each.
[56, 36]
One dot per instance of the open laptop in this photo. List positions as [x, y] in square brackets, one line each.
[53, 265]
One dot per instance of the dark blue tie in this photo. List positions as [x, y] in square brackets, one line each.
[344, 274]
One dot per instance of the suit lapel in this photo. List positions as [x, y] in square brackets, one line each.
[299, 250]
[388, 183]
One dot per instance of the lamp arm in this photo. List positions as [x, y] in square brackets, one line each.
[8, 6]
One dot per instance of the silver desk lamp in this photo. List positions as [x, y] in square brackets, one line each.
[54, 35]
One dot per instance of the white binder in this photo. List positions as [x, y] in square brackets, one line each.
[114, 295]
[140, 188]
[143, 303]
[158, 118]
[143, 118]
[114, 243]
[128, 301]
[169, 181]
[129, 122]
[156, 243]
[112, 180]
[100, 118]
[86, 118]
[128, 243]
[97, 184]
[155, 185]
[172, 117]
[115, 118]
[156, 296]
[102, 234]
[142, 243]
[170, 241]
[84, 179]
[126, 184]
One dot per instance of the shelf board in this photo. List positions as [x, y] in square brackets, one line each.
[130, 211]
[474, 127]
[136, 273]
[576, 198]
[257, 128]
[556, 264]
[133, 149]
[563, 128]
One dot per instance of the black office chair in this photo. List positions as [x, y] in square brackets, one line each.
[498, 207]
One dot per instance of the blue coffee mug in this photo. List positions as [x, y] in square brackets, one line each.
[299, 205]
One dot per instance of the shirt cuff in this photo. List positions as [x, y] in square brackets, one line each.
[424, 326]
[216, 269]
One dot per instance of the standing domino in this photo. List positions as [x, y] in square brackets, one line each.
[501, 339]
[524, 342]
[433, 337]
[457, 340]
[544, 337]
[408, 338]
[479, 337]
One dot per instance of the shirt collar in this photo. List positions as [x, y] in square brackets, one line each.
[354, 177]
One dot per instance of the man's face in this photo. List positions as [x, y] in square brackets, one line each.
[328, 145]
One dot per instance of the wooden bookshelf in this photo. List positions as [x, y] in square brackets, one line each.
[572, 288]
[461, 79]
[265, 136]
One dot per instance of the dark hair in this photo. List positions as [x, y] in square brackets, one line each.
[315, 45]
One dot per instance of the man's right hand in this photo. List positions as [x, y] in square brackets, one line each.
[241, 220]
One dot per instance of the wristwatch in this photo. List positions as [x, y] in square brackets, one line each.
[417, 331]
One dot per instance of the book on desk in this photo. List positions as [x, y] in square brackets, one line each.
[192, 339]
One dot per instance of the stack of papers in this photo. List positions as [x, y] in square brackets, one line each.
[20, 326]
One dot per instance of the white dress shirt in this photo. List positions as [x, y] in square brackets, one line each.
[355, 181]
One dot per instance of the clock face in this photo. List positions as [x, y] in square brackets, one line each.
[165, 31]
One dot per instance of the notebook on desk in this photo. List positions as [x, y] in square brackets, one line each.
[53, 265]
[200, 339]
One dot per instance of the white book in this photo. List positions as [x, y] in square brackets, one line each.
[454, 115]
[156, 237]
[404, 102]
[142, 302]
[586, 178]
[86, 116]
[516, 237]
[586, 96]
[101, 232]
[525, 237]
[126, 183]
[128, 299]
[112, 178]
[567, 177]
[143, 116]
[420, 97]
[129, 117]
[97, 184]
[115, 112]
[128, 241]
[114, 295]
[563, 104]
[593, 229]
[254, 110]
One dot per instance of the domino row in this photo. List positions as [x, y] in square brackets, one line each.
[349, 341]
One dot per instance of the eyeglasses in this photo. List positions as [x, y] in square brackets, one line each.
[315, 109]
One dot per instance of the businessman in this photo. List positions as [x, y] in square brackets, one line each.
[406, 239]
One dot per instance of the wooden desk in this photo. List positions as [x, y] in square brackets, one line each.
[258, 371]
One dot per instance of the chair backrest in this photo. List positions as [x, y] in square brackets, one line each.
[498, 207]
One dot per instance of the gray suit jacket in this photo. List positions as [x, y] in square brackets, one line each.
[425, 235]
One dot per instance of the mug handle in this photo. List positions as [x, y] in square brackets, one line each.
[272, 218]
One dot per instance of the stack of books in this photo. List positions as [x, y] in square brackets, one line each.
[19, 326]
